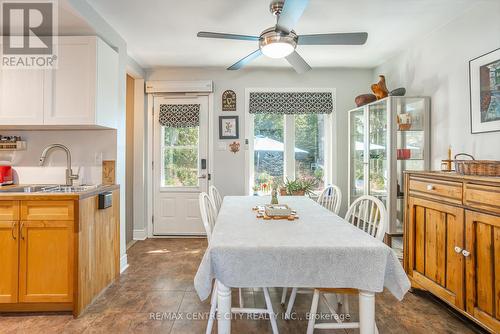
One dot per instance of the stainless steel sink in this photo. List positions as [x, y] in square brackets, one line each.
[48, 189]
[67, 189]
[25, 189]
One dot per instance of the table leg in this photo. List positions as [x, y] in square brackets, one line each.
[366, 312]
[223, 308]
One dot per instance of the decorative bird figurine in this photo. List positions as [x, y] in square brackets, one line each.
[380, 89]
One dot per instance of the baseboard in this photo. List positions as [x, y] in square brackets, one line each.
[123, 263]
[140, 235]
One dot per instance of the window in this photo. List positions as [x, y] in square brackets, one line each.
[290, 137]
[310, 148]
[180, 156]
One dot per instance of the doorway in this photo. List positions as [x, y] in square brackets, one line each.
[180, 163]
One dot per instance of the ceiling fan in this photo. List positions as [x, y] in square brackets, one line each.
[280, 41]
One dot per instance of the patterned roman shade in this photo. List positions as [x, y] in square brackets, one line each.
[180, 115]
[291, 103]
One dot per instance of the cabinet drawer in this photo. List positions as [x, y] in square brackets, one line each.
[482, 197]
[438, 189]
[47, 210]
[9, 210]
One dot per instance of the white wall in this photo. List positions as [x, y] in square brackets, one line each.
[88, 149]
[113, 38]
[230, 168]
[437, 66]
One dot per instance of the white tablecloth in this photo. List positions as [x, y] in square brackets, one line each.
[318, 250]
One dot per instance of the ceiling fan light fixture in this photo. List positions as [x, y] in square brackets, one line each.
[277, 49]
[276, 44]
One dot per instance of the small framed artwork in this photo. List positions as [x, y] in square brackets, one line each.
[228, 127]
[484, 82]
[229, 100]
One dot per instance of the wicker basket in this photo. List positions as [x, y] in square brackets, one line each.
[476, 167]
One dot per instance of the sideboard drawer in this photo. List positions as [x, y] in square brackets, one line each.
[448, 191]
[47, 210]
[9, 210]
[482, 197]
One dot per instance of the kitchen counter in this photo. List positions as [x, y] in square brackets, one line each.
[50, 195]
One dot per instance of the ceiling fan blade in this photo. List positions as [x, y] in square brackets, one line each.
[291, 13]
[355, 38]
[298, 63]
[207, 34]
[245, 61]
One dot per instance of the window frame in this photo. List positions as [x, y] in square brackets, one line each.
[289, 139]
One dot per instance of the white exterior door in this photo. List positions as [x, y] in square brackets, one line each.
[180, 163]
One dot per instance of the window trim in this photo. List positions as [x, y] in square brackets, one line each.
[289, 138]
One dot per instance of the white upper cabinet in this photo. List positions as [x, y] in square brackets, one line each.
[82, 92]
[24, 96]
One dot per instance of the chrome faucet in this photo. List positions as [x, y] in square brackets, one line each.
[69, 173]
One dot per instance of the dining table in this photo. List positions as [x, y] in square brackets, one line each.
[318, 250]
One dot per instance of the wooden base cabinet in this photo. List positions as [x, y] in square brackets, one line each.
[483, 267]
[57, 255]
[9, 261]
[451, 249]
[46, 261]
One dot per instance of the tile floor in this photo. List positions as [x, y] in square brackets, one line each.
[160, 279]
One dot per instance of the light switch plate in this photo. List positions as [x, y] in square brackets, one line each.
[221, 146]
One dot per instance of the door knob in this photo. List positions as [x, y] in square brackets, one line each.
[465, 253]
[458, 250]
[430, 187]
[203, 176]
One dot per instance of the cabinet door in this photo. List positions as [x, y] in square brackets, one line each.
[46, 263]
[434, 232]
[9, 261]
[74, 83]
[483, 268]
[24, 95]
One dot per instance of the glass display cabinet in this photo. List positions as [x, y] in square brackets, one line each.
[387, 137]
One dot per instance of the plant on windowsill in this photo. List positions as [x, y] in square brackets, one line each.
[298, 187]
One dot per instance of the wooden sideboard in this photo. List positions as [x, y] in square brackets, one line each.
[452, 241]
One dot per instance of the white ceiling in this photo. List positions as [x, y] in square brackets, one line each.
[163, 32]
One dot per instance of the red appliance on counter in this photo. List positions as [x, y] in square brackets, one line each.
[6, 176]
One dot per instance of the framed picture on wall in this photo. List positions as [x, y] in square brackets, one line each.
[228, 127]
[484, 82]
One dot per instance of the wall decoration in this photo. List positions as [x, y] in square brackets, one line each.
[229, 100]
[401, 91]
[234, 147]
[228, 127]
[380, 89]
[363, 99]
[484, 82]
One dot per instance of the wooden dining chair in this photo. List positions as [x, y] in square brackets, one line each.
[369, 214]
[209, 216]
[216, 197]
[330, 198]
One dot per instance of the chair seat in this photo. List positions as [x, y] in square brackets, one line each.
[344, 291]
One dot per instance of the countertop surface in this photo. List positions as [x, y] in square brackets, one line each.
[456, 176]
[4, 196]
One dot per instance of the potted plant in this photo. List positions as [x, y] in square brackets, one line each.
[298, 187]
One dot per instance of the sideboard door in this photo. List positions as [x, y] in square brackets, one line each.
[483, 268]
[436, 239]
